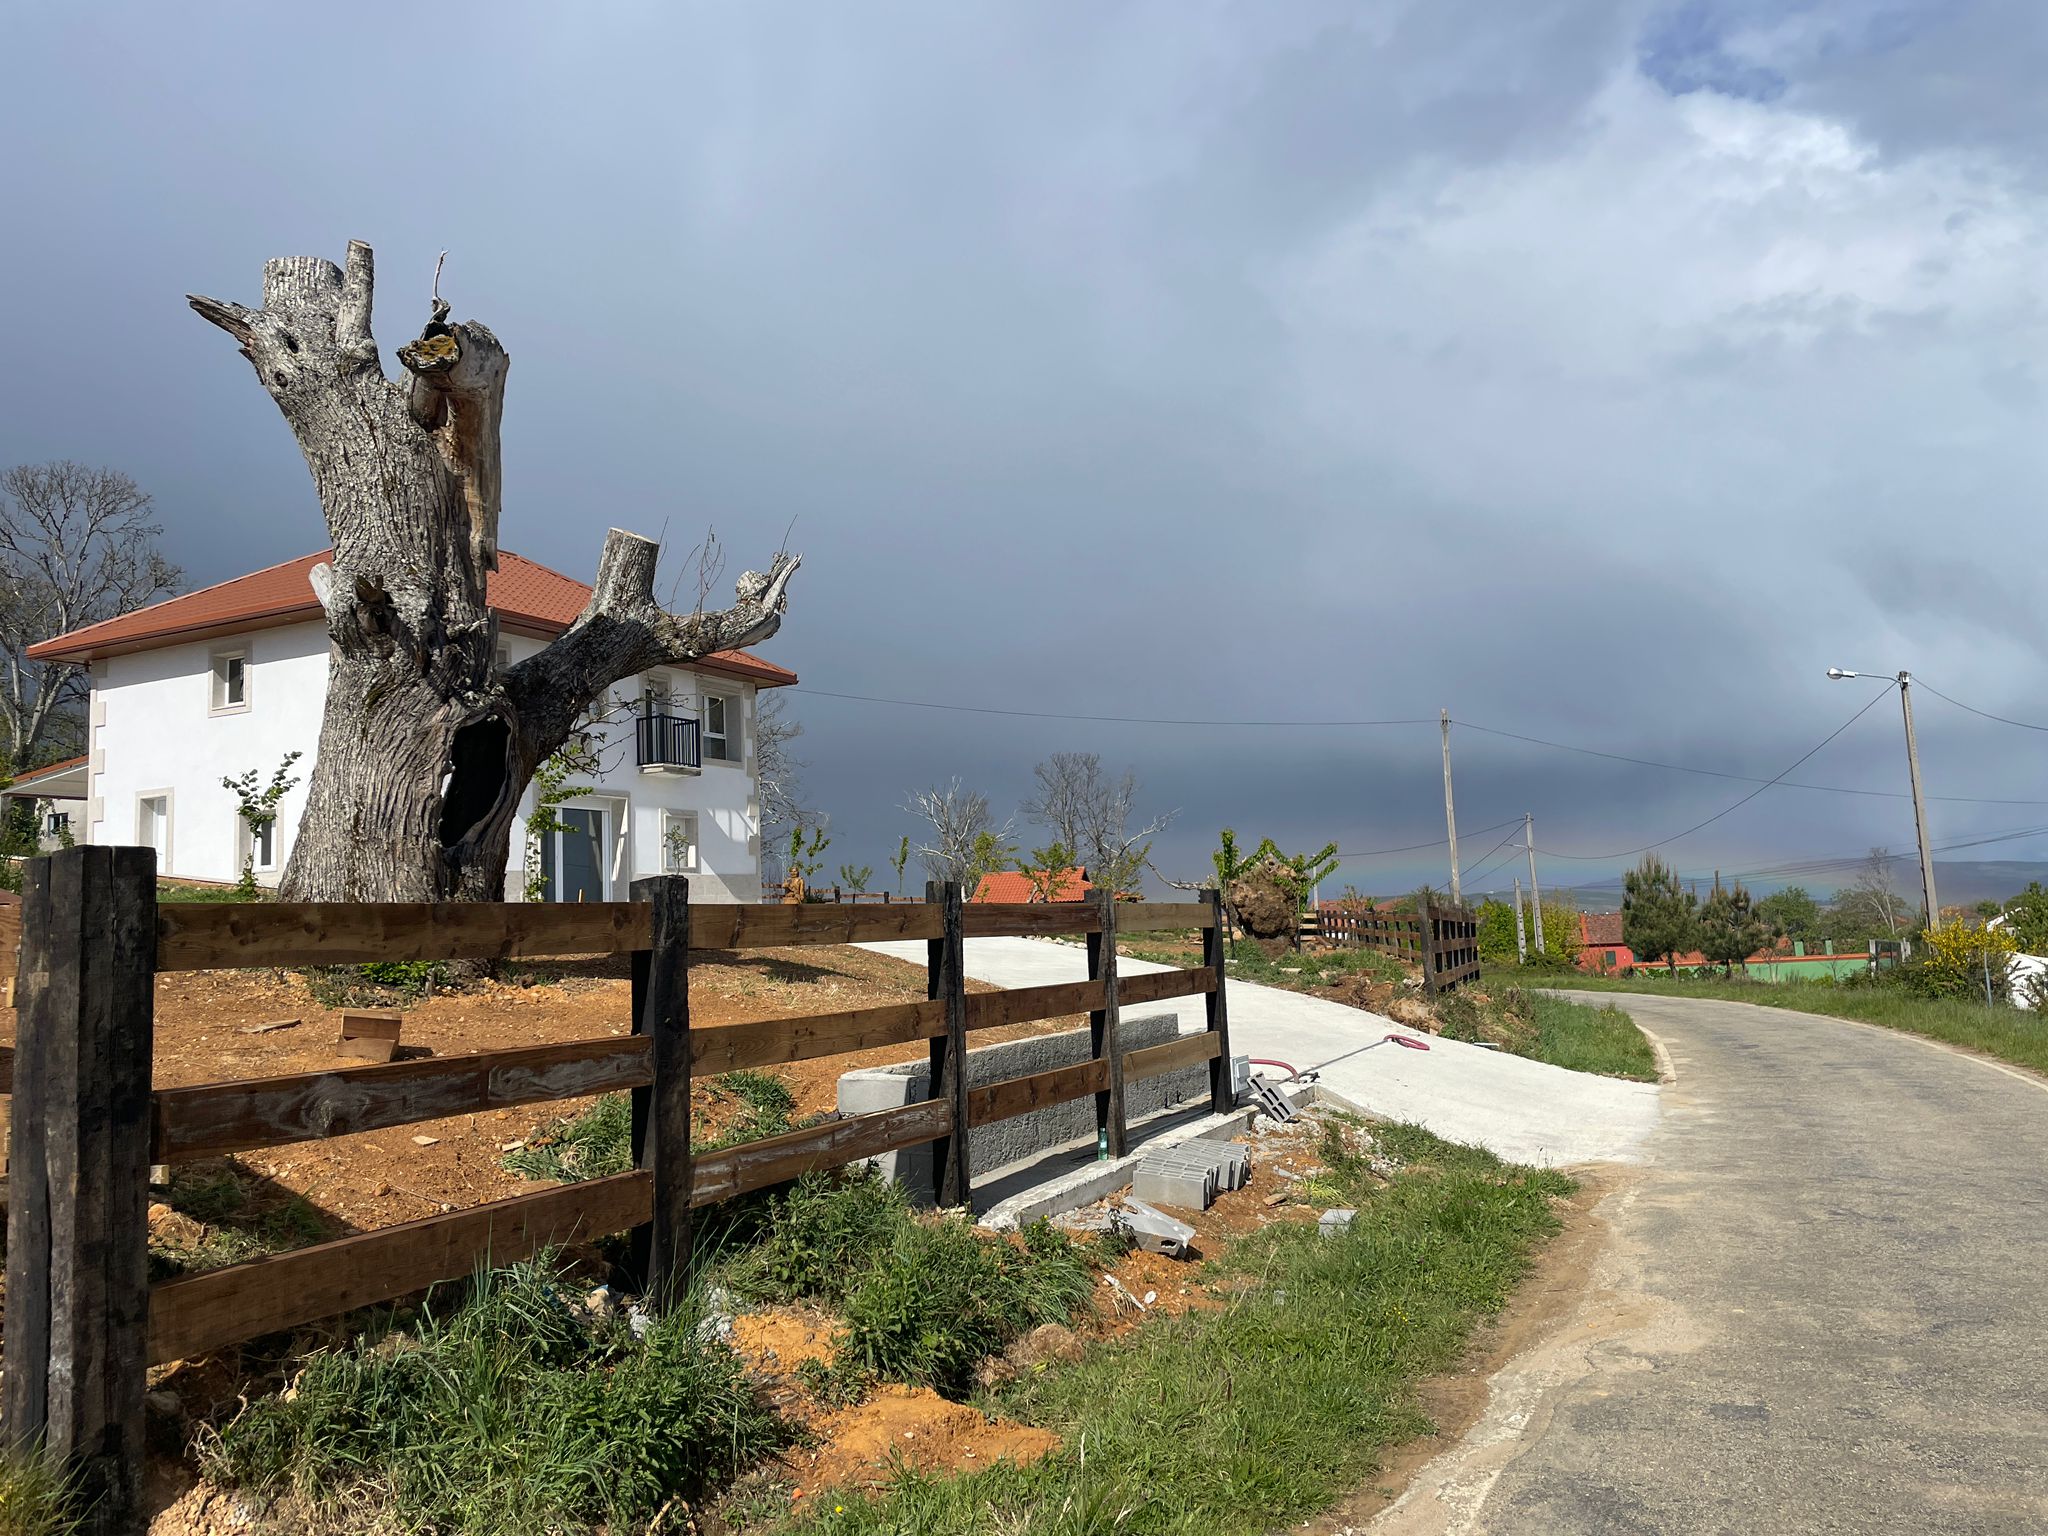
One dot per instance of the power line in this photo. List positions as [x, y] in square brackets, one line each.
[1626, 853]
[1490, 730]
[1959, 704]
[1367, 853]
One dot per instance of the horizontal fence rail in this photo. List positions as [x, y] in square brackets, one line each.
[94, 936]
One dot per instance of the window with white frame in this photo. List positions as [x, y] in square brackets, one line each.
[230, 682]
[256, 845]
[679, 842]
[721, 728]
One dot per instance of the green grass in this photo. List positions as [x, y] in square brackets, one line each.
[509, 1412]
[242, 1220]
[166, 894]
[599, 1142]
[2011, 1034]
[1587, 1039]
[922, 1299]
[592, 1145]
[1248, 1417]
[33, 1499]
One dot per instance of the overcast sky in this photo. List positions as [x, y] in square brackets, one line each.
[1601, 372]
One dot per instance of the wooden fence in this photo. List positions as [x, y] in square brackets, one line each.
[1442, 941]
[83, 1320]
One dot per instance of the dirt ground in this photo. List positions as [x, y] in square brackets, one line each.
[203, 1034]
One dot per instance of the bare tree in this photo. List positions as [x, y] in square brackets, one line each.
[77, 545]
[779, 770]
[1873, 901]
[964, 835]
[1091, 813]
[426, 745]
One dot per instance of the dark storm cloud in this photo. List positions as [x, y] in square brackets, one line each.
[1550, 363]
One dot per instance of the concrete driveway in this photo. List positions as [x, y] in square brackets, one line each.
[1523, 1110]
[1823, 1308]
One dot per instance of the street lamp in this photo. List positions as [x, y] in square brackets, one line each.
[1905, 685]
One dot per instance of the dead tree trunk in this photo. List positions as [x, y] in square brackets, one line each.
[426, 746]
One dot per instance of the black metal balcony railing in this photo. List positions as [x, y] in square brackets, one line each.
[669, 741]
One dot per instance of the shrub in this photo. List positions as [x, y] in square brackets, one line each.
[1955, 960]
[945, 1296]
[33, 1498]
[513, 1411]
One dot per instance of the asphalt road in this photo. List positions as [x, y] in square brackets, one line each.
[1824, 1307]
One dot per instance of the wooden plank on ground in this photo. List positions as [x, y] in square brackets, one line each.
[1020, 1095]
[213, 1118]
[1157, 986]
[201, 1313]
[198, 936]
[1153, 916]
[1000, 919]
[773, 1042]
[1021, 1005]
[1187, 1051]
[778, 924]
[777, 1159]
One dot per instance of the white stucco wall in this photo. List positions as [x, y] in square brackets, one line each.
[153, 731]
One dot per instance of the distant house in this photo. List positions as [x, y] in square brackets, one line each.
[1010, 885]
[232, 677]
[1601, 945]
[57, 793]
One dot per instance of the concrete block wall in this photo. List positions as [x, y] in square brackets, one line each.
[1057, 1125]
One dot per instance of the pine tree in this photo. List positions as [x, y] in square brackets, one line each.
[1731, 929]
[1659, 917]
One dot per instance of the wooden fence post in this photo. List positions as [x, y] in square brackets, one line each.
[1103, 1034]
[78, 1218]
[952, 1176]
[1427, 914]
[1214, 953]
[661, 1110]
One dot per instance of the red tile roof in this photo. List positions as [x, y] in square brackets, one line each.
[1601, 928]
[526, 595]
[1009, 885]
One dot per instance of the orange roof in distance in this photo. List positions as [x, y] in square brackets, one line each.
[1010, 885]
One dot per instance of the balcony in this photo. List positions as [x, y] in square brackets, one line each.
[668, 744]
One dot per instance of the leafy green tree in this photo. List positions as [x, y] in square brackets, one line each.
[856, 877]
[1497, 933]
[1730, 929]
[900, 862]
[1791, 912]
[2026, 915]
[1045, 870]
[989, 852]
[805, 856]
[1659, 917]
[258, 809]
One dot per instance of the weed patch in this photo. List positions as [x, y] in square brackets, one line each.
[1242, 1418]
[592, 1145]
[511, 1411]
[376, 984]
[33, 1498]
[228, 1216]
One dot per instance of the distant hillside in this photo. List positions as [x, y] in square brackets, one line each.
[1964, 884]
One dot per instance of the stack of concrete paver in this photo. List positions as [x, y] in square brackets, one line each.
[1191, 1174]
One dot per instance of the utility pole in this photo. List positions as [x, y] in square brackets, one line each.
[1535, 890]
[1521, 943]
[1451, 814]
[1919, 805]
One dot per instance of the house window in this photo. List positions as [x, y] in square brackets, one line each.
[58, 823]
[230, 682]
[721, 728]
[679, 842]
[256, 846]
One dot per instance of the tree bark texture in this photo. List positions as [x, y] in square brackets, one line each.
[425, 745]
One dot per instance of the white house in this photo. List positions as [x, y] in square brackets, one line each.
[56, 793]
[234, 676]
